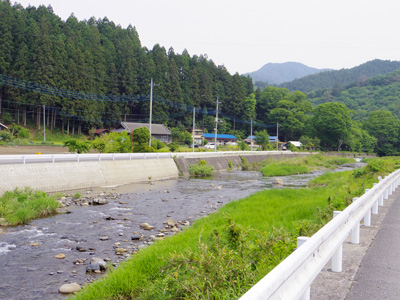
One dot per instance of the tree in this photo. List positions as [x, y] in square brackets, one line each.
[332, 124]
[385, 128]
[262, 139]
[141, 135]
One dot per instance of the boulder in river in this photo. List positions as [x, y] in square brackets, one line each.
[99, 201]
[146, 226]
[69, 288]
[96, 264]
[60, 256]
[278, 181]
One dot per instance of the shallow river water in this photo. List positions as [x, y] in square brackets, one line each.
[29, 269]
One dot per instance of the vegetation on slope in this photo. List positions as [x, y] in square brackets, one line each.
[221, 256]
[301, 165]
[18, 207]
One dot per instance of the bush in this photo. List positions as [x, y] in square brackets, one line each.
[173, 147]
[20, 206]
[201, 169]
[157, 144]
[78, 146]
[143, 149]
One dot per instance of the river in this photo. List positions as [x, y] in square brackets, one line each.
[29, 269]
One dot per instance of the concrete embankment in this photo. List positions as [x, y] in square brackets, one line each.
[55, 177]
[234, 161]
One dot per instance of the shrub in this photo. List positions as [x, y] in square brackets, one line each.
[78, 146]
[201, 169]
[173, 147]
[245, 164]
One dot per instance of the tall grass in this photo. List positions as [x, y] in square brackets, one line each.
[21, 206]
[301, 165]
[221, 256]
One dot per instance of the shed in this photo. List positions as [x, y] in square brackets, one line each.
[100, 132]
[158, 131]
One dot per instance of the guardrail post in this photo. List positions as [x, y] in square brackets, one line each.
[99, 157]
[23, 159]
[375, 208]
[300, 241]
[77, 157]
[355, 233]
[144, 156]
[52, 158]
[386, 194]
[367, 217]
[338, 255]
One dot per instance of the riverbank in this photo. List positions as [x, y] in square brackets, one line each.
[275, 218]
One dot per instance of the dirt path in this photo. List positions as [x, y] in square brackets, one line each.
[8, 150]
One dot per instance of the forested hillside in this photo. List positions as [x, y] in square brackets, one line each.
[343, 77]
[94, 73]
[378, 93]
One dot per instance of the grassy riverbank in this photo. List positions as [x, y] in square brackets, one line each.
[221, 256]
[21, 206]
[301, 165]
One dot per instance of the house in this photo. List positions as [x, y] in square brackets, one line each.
[100, 132]
[158, 131]
[222, 139]
[198, 135]
[297, 144]
[3, 127]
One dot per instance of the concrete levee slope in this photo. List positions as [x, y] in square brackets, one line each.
[56, 177]
[234, 161]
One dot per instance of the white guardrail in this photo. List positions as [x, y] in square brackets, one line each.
[292, 278]
[53, 158]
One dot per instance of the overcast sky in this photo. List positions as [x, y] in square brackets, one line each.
[244, 35]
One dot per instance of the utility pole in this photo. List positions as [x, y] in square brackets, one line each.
[193, 131]
[277, 134]
[44, 122]
[216, 127]
[251, 134]
[151, 106]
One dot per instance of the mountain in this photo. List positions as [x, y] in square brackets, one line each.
[362, 97]
[276, 73]
[343, 77]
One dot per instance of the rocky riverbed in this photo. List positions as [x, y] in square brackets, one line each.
[103, 227]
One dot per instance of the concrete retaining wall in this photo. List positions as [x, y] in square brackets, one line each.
[221, 163]
[55, 177]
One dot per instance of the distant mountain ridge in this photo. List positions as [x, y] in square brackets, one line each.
[343, 77]
[276, 73]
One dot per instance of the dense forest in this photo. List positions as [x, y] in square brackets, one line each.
[377, 93]
[94, 73]
[343, 77]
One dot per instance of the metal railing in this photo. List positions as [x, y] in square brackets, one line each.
[53, 158]
[292, 278]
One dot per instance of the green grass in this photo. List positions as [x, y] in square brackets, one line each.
[21, 206]
[223, 255]
[301, 165]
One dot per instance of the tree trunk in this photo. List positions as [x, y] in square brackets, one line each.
[68, 127]
[62, 125]
[1, 98]
[24, 116]
[73, 128]
[38, 118]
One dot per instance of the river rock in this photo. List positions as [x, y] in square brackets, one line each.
[60, 256]
[99, 201]
[69, 288]
[136, 237]
[171, 223]
[120, 251]
[104, 238]
[96, 264]
[278, 181]
[185, 223]
[146, 226]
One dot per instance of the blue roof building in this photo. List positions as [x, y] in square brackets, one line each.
[221, 138]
